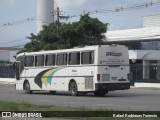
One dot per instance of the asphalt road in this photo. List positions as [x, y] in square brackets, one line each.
[133, 99]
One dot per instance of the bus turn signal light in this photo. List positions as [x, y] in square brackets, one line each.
[98, 77]
[129, 77]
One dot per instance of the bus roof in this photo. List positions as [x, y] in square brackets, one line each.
[75, 49]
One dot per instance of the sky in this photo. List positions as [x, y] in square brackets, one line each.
[22, 14]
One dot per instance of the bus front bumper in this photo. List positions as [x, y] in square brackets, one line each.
[111, 86]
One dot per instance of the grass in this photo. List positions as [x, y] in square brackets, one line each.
[12, 106]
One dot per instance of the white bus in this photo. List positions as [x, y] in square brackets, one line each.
[96, 69]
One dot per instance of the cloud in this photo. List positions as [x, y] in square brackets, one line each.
[68, 3]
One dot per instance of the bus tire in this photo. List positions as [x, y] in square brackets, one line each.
[73, 88]
[27, 87]
[100, 93]
[82, 93]
[52, 92]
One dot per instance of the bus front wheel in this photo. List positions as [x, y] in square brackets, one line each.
[27, 87]
[73, 88]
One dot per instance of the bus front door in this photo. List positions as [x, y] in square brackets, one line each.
[17, 70]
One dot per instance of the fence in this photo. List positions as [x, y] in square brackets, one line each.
[6, 71]
[146, 74]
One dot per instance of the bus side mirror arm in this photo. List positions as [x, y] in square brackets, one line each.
[14, 66]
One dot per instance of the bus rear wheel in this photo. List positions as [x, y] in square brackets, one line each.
[27, 87]
[100, 93]
[73, 88]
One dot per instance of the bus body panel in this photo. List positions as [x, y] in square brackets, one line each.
[113, 63]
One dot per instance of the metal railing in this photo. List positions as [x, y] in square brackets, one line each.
[6, 71]
[146, 74]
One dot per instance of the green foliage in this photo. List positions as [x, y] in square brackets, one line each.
[4, 63]
[87, 31]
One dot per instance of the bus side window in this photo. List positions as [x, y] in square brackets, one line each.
[65, 59]
[29, 61]
[62, 59]
[50, 60]
[39, 60]
[74, 58]
[92, 57]
[87, 57]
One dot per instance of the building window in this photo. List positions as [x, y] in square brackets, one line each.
[74, 58]
[50, 60]
[39, 60]
[29, 61]
[62, 59]
[87, 57]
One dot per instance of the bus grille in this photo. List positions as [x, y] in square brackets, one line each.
[89, 83]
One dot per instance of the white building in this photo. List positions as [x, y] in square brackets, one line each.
[148, 55]
[151, 21]
[131, 35]
[7, 54]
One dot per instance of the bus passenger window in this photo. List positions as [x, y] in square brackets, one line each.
[29, 61]
[50, 60]
[74, 58]
[62, 59]
[87, 57]
[39, 60]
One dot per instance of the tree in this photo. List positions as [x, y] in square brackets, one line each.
[87, 31]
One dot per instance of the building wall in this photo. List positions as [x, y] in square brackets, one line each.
[151, 21]
[12, 56]
[8, 55]
[4, 55]
[145, 59]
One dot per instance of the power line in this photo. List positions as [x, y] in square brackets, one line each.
[19, 22]
[6, 25]
[79, 13]
[3, 28]
[75, 14]
[118, 9]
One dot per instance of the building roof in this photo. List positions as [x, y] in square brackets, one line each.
[139, 34]
[9, 48]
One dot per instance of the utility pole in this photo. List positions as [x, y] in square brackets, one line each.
[58, 14]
